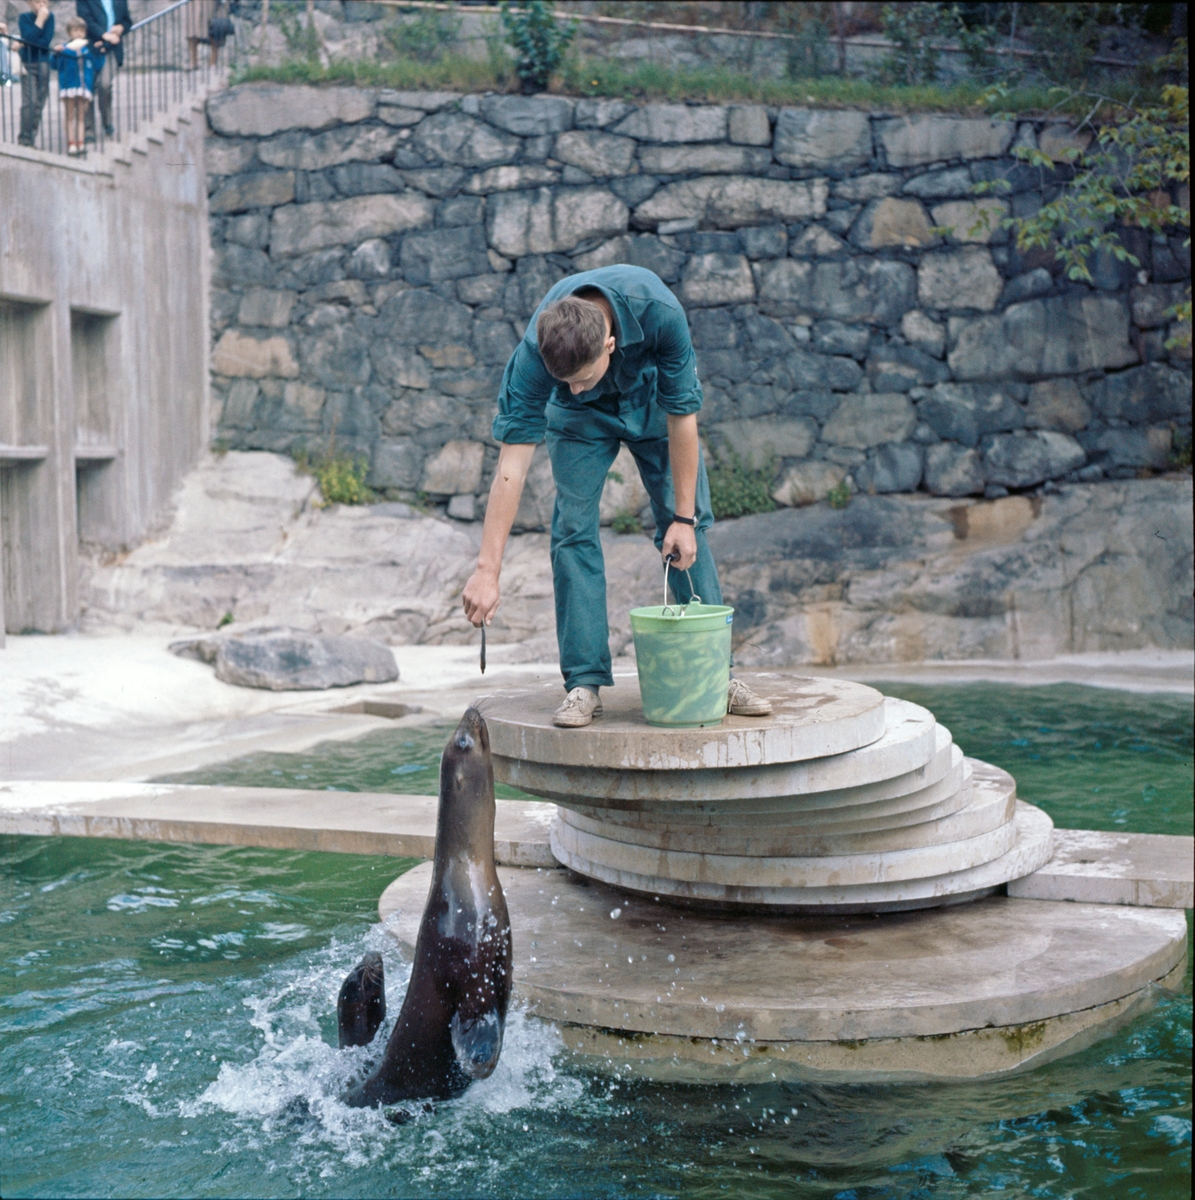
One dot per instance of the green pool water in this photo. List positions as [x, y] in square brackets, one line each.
[167, 1023]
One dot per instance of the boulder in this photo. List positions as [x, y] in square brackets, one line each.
[892, 222]
[1037, 282]
[1019, 461]
[927, 138]
[758, 442]
[675, 123]
[645, 250]
[1057, 404]
[1131, 448]
[623, 491]
[940, 185]
[893, 468]
[963, 412]
[425, 102]
[257, 358]
[764, 241]
[422, 318]
[464, 141]
[258, 189]
[734, 200]
[597, 114]
[1153, 392]
[300, 228]
[436, 255]
[1063, 143]
[546, 220]
[865, 187]
[397, 463]
[920, 330]
[816, 241]
[897, 368]
[973, 220]
[1064, 335]
[748, 125]
[807, 483]
[711, 279]
[371, 260]
[807, 137]
[399, 366]
[226, 156]
[876, 291]
[870, 419]
[965, 278]
[510, 179]
[456, 469]
[539, 494]
[601, 154]
[262, 109]
[313, 152]
[716, 158]
[805, 372]
[833, 337]
[952, 470]
[338, 356]
[529, 116]
[292, 661]
[266, 307]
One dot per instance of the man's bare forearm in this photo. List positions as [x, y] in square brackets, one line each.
[684, 453]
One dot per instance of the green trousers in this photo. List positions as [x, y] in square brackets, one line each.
[583, 442]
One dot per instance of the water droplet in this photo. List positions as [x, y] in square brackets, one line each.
[672, 958]
[615, 913]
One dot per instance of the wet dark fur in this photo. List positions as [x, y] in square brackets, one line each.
[361, 1005]
[449, 1031]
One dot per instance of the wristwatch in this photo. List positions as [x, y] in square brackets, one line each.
[690, 521]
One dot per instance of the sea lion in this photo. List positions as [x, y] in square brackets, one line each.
[361, 1005]
[449, 1031]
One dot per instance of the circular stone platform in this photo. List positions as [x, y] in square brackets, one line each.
[639, 987]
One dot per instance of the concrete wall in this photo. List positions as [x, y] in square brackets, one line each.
[103, 356]
[376, 255]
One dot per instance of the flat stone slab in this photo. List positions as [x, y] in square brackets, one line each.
[811, 718]
[1146, 869]
[970, 990]
[275, 818]
[898, 759]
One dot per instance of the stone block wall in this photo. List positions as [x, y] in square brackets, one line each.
[857, 311]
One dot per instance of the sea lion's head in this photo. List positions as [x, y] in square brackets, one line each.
[466, 817]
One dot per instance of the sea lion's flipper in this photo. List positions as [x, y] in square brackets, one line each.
[361, 1005]
[477, 1042]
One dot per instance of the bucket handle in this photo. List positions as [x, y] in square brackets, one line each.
[668, 610]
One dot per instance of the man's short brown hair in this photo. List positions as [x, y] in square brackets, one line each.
[571, 333]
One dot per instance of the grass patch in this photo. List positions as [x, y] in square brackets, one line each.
[341, 477]
[652, 81]
[738, 489]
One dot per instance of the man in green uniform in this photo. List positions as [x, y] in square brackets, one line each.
[606, 360]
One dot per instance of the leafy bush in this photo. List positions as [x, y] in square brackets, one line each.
[538, 40]
[916, 30]
[737, 489]
[425, 37]
[626, 522]
[341, 477]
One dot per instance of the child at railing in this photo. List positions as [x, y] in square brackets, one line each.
[78, 64]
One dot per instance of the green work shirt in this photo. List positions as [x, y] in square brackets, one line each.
[652, 368]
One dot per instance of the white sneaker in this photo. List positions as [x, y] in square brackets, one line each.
[741, 701]
[579, 708]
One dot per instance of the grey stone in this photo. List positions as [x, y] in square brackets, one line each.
[337, 356]
[542, 221]
[423, 318]
[833, 337]
[871, 419]
[440, 254]
[600, 154]
[397, 463]
[840, 220]
[1019, 461]
[731, 201]
[317, 269]
[645, 250]
[952, 470]
[266, 308]
[253, 229]
[455, 470]
[892, 222]
[711, 279]
[371, 260]
[262, 109]
[965, 278]
[1141, 395]
[1057, 404]
[529, 116]
[748, 125]
[675, 123]
[464, 141]
[463, 508]
[256, 357]
[313, 185]
[806, 372]
[494, 341]
[575, 176]
[225, 156]
[532, 278]
[1024, 287]
[807, 483]
[765, 241]
[461, 210]
[713, 330]
[597, 114]
[344, 143]
[634, 189]
[897, 368]
[923, 435]
[293, 661]
[962, 412]
[238, 407]
[895, 467]
[1065, 335]
[299, 228]
[839, 138]
[398, 116]
[762, 440]
[913, 140]
[539, 494]
[865, 187]
[878, 292]
[511, 178]
[920, 330]
[258, 189]
[816, 404]
[367, 179]
[845, 456]
[424, 101]
[399, 366]
[1129, 448]
[940, 185]
[716, 158]
[1150, 304]
[436, 181]
[817, 242]
[979, 221]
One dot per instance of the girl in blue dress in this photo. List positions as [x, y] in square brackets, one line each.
[77, 64]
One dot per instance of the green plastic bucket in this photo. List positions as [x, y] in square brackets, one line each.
[683, 655]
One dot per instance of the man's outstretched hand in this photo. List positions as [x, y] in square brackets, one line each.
[481, 597]
[680, 544]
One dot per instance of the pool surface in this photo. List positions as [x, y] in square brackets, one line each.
[167, 1023]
